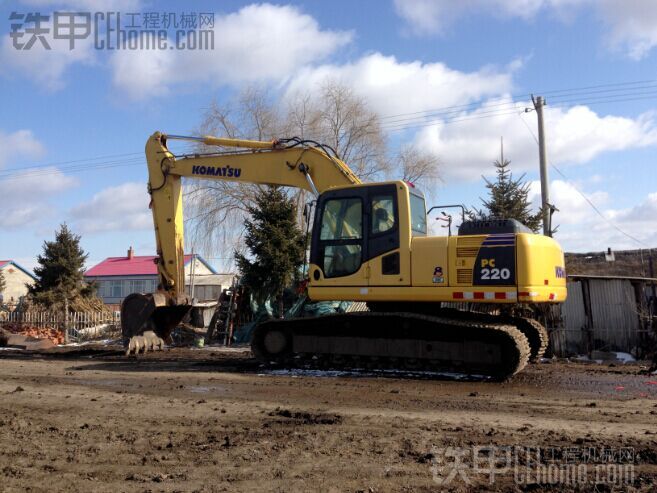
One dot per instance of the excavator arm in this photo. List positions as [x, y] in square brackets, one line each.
[287, 162]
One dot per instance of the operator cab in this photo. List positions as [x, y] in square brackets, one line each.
[356, 224]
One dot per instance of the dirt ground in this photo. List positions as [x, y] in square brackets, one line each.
[209, 420]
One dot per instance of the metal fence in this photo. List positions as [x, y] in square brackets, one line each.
[79, 325]
[605, 314]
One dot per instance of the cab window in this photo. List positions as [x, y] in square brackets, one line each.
[418, 216]
[342, 220]
[342, 234]
[383, 213]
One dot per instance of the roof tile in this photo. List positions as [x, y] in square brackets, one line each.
[139, 265]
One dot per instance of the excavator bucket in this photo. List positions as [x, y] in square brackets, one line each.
[147, 320]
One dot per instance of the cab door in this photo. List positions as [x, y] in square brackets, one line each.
[356, 238]
[387, 264]
[339, 246]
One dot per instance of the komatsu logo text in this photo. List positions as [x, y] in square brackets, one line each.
[217, 171]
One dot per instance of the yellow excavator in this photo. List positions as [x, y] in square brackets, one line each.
[369, 243]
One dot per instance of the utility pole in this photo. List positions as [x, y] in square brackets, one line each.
[539, 102]
[651, 273]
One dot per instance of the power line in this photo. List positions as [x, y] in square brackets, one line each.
[514, 100]
[583, 195]
[78, 168]
[615, 93]
[506, 111]
[89, 159]
[588, 88]
[503, 107]
[518, 96]
[53, 172]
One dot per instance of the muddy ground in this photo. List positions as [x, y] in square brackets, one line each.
[205, 420]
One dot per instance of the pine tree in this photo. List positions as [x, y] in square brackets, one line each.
[60, 272]
[3, 284]
[275, 245]
[508, 198]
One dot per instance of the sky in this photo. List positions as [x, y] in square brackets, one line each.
[451, 77]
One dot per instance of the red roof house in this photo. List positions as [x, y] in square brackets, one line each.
[137, 265]
[117, 277]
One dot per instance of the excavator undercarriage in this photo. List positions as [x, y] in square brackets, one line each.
[454, 341]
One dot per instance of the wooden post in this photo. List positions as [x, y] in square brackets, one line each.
[66, 320]
[588, 328]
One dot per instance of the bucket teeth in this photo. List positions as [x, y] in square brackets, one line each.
[149, 341]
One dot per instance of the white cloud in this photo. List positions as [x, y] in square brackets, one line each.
[580, 227]
[86, 5]
[435, 16]
[574, 135]
[120, 208]
[642, 216]
[16, 217]
[573, 207]
[260, 42]
[30, 183]
[19, 144]
[143, 74]
[44, 66]
[24, 197]
[632, 25]
[47, 67]
[393, 87]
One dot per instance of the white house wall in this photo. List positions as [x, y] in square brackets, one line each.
[15, 280]
[200, 268]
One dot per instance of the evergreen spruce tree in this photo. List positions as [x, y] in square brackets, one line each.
[59, 274]
[275, 245]
[508, 198]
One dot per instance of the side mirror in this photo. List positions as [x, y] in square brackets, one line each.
[308, 208]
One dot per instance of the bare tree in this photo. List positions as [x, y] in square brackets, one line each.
[335, 116]
[301, 121]
[301, 116]
[215, 210]
[418, 166]
[339, 118]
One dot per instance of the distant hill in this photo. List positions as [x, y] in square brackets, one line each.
[630, 263]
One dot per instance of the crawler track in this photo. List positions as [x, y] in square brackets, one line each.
[394, 340]
[537, 336]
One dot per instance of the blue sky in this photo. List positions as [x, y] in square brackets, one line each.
[403, 57]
